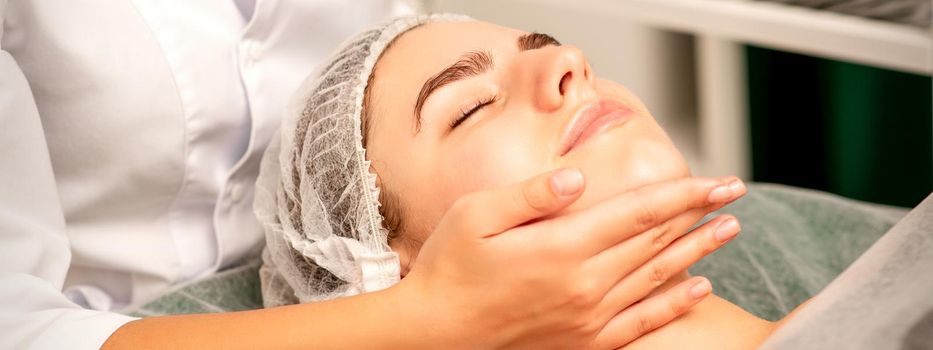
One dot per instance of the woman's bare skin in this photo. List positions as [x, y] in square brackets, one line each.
[506, 115]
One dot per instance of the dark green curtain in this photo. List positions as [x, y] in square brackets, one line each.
[858, 131]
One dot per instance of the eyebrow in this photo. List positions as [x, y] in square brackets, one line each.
[472, 64]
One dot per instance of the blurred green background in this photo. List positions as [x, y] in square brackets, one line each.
[854, 130]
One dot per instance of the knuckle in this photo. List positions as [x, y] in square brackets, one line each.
[584, 295]
[657, 275]
[697, 191]
[709, 246]
[701, 187]
[645, 325]
[705, 240]
[645, 216]
[589, 332]
[585, 327]
[660, 236]
[677, 307]
[580, 300]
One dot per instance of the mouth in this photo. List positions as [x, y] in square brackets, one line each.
[592, 119]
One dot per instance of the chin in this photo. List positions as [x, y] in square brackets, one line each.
[621, 162]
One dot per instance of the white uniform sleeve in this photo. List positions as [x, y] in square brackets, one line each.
[34, 251]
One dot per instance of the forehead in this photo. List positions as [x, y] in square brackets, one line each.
[442, 42]
[424, 51]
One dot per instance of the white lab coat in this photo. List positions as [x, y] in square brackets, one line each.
[130, 139]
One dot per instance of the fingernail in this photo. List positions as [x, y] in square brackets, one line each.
[720, 194]
[700, 289]
[737, 186]
[567, 181]
[727, 230]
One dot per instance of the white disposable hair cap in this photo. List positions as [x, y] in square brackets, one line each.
[315, 196]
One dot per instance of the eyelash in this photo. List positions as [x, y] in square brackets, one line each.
[464, 114]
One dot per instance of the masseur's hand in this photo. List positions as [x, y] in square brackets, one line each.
[501, 274]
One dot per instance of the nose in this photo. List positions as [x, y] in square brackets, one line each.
[563, 75]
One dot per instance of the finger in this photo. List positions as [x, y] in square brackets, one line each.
[625, 257]
[636, 211]
[490, 212]
[676, 258]
[649, 314]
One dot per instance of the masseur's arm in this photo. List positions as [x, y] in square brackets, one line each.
[34, 250]
[485, 279]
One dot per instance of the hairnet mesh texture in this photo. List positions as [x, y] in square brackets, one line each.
[316, 196]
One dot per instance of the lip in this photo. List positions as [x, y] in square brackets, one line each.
[591, 119]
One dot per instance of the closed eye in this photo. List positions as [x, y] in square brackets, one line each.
[467, 113]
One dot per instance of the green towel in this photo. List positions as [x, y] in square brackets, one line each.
[881, 301]
[234, 289]
[793, 243]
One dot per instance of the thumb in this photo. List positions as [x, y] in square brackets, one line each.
[488, 213]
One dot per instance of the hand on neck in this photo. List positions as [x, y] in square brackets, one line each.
[714, 323]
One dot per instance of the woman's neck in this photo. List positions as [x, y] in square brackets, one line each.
[714, 323]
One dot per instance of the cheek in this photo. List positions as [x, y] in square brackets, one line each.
[436, 175]
[487, 159]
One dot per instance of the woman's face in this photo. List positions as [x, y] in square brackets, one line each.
[513, 106]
